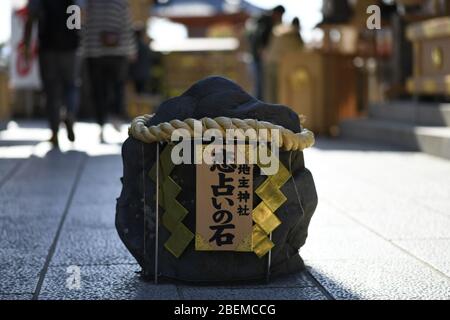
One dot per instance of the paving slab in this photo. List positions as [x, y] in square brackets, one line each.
[89, 235]
[115, 282]
[419, 178]
[6, 167]
[296, 280]
[347, 242]
[20, 275]
[33, 201]
[12, 297]
[305, 293]
[436, 252]
[392, 214]
[383, 224]
[380, 279]
[30, 206]
[91, 215]
[26, 235]
[89, 246]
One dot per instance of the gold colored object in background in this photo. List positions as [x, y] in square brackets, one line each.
[431, 42]
[140, 11]
[322, 86]
[437, 56]
[5, 104]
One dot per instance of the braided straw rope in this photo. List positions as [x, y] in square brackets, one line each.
[288, 140]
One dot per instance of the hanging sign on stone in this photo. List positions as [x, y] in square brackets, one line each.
[224, 204]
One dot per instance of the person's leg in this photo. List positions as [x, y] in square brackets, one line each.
[118, 69]
[71, 94]
[258, 77]
[118, 105]
[139, 86]
[52, 90]
[270, 83]
[97, 80]
[261, 75]
[108, 84]
[120, 77]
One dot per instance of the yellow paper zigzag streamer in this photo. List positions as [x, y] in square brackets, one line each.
[174, 212]
[264, 214]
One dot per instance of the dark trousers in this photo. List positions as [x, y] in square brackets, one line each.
[140, 85]
[58, 74]
[258, 77]
[107, 77]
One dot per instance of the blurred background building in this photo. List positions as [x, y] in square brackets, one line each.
[390, 84]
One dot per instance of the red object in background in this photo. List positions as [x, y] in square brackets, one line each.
[23, 65]
[384, 43]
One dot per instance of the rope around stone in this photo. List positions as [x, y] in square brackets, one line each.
[288, 140]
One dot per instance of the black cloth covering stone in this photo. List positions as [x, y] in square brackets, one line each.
[212, 97]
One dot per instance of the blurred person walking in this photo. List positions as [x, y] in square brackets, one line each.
[285, 39]
[57, 60]
[259, 33]
[108, 44]
[140, 69]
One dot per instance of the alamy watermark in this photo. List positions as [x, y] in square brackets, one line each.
[73, 22]
[374, 20]
[73, 281]
[236, 146]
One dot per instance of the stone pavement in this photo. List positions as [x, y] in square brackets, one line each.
[381, 230]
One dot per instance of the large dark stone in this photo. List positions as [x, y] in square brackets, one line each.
[212, 97]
